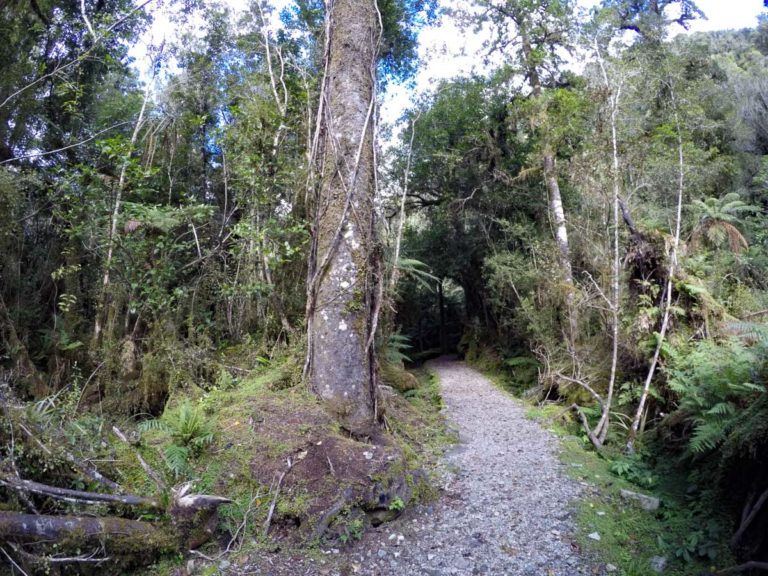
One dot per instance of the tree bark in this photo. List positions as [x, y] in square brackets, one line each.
[341, 286]
[557, 213]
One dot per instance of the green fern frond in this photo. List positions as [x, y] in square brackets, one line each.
[721, 409]
[752, 332]
[394, 352]
[200, 442]
[418, 270]
[151, 425]
[177, 459]
[708, 436]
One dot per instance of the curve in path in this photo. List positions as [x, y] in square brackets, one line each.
[505, 511]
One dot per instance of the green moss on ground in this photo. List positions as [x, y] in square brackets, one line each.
[263, 420]
[630, 536]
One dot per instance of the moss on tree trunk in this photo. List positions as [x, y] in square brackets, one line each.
[342, 282]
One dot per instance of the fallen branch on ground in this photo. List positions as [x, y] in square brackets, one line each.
[76, 496]
[273, 504]
[585, 423]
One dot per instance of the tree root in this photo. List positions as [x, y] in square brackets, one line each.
[327, 517]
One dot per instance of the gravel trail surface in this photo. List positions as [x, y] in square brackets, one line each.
[506, 503]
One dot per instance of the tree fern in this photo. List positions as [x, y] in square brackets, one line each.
[718, 218]
[417, 270]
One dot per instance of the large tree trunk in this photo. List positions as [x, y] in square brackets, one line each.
[341, 290]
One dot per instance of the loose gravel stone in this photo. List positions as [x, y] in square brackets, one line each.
[505, 509]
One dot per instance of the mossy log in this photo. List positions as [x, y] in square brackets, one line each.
[123, 537]
[193, 520]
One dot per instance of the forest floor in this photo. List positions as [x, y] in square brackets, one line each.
[505, 504]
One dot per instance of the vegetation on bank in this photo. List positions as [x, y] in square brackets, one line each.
[597, 235]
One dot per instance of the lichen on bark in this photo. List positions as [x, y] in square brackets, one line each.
[341, 366]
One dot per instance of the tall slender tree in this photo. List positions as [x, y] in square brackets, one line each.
[532, 32]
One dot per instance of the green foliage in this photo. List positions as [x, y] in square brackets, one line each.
[417, 270]
[189, 434]
[353, 530]
[402, 20]
[635, 470]
[717, 220]
[750, 331]
[397, 505]
[713, 382]
[396, 347]
[704, 543]
[631, 536]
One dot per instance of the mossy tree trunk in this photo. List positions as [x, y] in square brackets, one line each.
[342, 285]
[549, 167]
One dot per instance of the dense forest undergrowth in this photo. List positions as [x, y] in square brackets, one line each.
[212, 273]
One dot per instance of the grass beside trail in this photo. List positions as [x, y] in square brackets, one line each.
[630, 537]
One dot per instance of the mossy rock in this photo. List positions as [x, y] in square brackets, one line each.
[398, 378]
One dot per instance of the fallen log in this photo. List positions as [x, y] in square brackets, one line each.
[193, 520]
[76, 496]
[120, 536]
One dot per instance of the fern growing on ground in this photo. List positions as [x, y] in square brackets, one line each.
[751, 332]
[396, 347]
[189, 433]
[713, 382]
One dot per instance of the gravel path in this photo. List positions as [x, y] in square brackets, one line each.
[505, 510]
